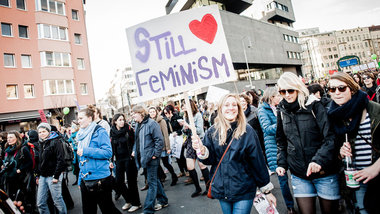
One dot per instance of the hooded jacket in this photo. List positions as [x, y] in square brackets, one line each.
[94, 163]
[304, 137]
[51, 157]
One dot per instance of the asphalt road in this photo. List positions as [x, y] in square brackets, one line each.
[179, 198]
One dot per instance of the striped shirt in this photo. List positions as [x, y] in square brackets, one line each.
[363, 150]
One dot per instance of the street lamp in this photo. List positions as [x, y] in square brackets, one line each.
[246, 60]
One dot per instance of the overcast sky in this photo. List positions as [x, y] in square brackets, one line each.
[106, 25]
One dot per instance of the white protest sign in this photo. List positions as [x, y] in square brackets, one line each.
[214, 94]
[179, 52]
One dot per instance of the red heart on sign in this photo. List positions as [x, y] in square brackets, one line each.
[205, 29]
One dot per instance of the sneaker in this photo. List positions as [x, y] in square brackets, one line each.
[126, 206]
[134, 208]
[158, 207]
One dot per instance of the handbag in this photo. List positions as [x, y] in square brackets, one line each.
[212, 180]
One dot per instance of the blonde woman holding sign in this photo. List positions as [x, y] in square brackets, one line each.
[233, 150]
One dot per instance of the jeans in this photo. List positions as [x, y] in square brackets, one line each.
[130, 193]
[238, 207]
[45, 184]
[286, 194]
[155, 189]
[359, 195]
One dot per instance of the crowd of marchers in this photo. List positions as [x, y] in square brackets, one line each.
[322, 137]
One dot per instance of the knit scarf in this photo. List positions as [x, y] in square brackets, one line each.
[11, 150]
[353, 110]
[291, 107]
[115, 133]
[84, 136]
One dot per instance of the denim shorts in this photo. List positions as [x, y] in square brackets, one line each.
[326, 187]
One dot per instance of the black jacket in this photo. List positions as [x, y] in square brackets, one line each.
[51, 160]
[243, 168]
[303, 137]
[174, 123]
[122, 142]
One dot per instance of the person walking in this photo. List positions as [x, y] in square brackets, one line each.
[94, 151]
[356, 119]
[306, 146]
[147, 152]
[50, 169]
[153, 113]
[243, 169]
[268, 120]
[122, 140]
[370, 86]
[191, 156]
[74, 143]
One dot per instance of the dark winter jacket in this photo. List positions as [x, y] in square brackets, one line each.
[251, 115]
[149, 142]
[52, 161]
[243, 168]
[303, 137]
[18, 159]
[174, 123]
[371, 92]
[122, 142]
[268, 122]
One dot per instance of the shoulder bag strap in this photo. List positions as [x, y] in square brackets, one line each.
[221, 160]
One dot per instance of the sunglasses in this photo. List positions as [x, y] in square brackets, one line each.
[283, 91]
[341, 88]
[366, 78]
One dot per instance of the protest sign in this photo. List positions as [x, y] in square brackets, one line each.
[179, 52]
[176, 145]
[214, 94]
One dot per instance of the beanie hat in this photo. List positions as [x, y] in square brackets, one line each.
[45, 126]
[33, 136]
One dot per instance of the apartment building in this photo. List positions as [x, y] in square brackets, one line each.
[321, 51]
[44, 62]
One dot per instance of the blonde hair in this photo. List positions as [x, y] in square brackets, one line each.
[289, 80]
[222, 125]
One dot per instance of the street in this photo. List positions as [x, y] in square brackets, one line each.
[179, 197]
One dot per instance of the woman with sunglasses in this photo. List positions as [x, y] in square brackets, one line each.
[306, 147]
[243, 168]
[354, 116]
[370, 86]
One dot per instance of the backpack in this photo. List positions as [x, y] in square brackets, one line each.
[32, 152]
[68, 153]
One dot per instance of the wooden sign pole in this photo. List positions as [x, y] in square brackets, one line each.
[190, 114]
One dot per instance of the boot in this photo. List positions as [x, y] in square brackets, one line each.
[174, 180]
[194, 177]
[206, 176]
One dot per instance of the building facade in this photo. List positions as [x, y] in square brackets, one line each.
[44, 62]
[321, 51]
[260, 38]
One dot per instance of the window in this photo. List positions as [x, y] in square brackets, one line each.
[52, 32]
[83, 89]
[21, 4]
[28, 90]
[26, 61]
[51, 6]
[9, 60]
[80, 63]
[6, 29]
[4, 3]
[12, 92]
[78, 39]
[53, 87]
[335, 55]
[55, 59]
[23, 31]
[74, 15]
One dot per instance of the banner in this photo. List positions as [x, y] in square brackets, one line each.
[179, 52]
